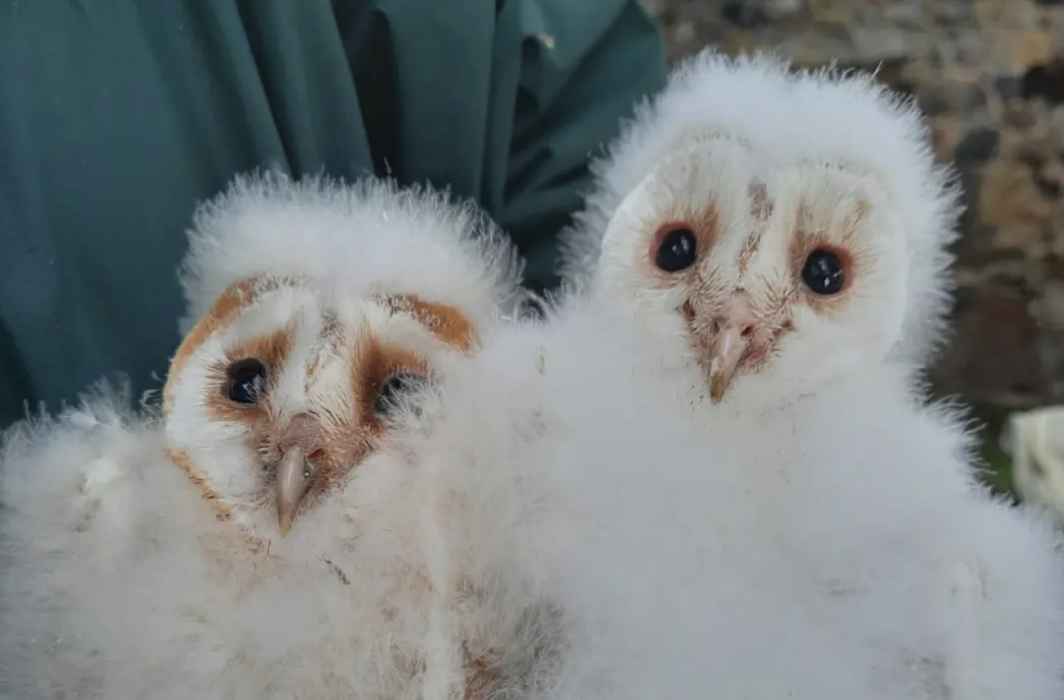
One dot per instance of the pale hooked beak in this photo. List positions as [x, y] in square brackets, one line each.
[732, 330]
[295, 474]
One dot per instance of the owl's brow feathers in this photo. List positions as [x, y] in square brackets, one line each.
[761, 208]
[447, 323]
[233, 300]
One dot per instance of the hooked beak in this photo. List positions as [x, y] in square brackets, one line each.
[294, 477]
[725, 352]
[731, 333]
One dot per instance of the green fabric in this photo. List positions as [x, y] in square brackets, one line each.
[117, 116]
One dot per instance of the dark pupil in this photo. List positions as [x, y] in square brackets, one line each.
[823, 272]
[246, 380]
[677, 250]
[394, 388]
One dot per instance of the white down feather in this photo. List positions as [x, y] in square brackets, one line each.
[653, 547]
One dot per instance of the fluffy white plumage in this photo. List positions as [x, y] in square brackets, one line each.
[268, 225]
[803, 525]
[663, 548]
[142, 554]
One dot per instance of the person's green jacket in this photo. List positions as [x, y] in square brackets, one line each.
[117, 117]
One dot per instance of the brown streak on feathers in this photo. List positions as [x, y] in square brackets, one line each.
[445, 322]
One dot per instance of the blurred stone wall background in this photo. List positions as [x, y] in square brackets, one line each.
[990, 76]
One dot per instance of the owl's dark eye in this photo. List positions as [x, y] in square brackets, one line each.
[677, 251]
[397, 385]
[246, 381]
[824, 272]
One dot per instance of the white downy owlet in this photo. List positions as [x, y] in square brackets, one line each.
[252, 539]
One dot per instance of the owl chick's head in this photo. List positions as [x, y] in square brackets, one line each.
[786, 231]
[331, 305]
[813, 150]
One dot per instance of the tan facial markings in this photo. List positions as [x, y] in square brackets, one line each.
[480, 677]
[373, 367]
[809, 236]
[330, 338]
[236, 297]
[272, 350]
[335, 439]
[447, 323]
[704, 223]
[761, 208]
[735, 333]
[741, 333]
[227, 307]
[334, 442]
[182, 461]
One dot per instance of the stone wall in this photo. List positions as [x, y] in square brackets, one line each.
[990, 76]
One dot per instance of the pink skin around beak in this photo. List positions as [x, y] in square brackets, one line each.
[295, 473]
[731, 329]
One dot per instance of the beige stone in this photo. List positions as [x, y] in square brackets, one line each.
[1032, 48]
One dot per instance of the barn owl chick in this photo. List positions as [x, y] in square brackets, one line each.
[713, 459]
[802, 263]
[254, 539]
[408, 276]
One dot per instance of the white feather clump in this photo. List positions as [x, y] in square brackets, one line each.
[100, 542]
[129, 570]
[368, 232]
[643, 545]
[119, 581]
[824, 119]
[825, 545]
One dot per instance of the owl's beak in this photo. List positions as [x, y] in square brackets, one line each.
[294, 477]
[732, 330]
[724, 360]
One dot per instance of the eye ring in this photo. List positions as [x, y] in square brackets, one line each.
[675, 248]
[824, 271]
[245, 381]
[394, 388]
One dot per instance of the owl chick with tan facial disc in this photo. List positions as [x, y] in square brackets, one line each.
[252, 539]
[422, 291]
